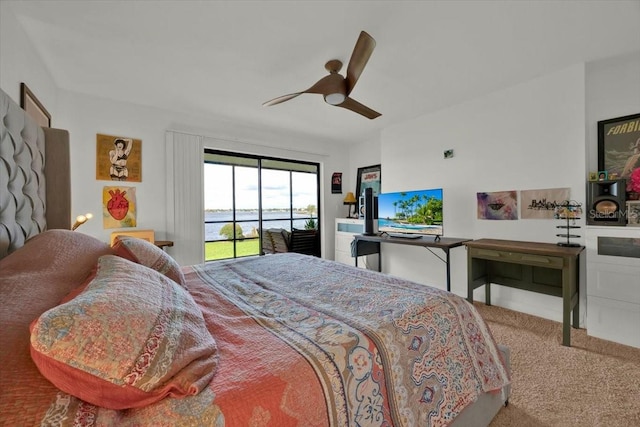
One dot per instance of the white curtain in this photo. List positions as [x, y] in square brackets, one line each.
[185, 196]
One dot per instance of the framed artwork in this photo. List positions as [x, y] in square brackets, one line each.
[369, 177]
[34, 107]
[619, 145]
[336, 183]
[497, 205]
[603, 175]
[633, 213]
[118, 158]
[119, 207]
[541, 204]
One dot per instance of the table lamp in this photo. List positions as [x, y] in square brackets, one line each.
[81, 219]
[350, 200]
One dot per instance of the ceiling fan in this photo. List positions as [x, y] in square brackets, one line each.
[335, 88]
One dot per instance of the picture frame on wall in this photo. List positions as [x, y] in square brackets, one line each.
[34, 107]
[369, 177]
[619, 145]
[118, 158]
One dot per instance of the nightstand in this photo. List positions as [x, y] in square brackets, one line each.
[163, 243]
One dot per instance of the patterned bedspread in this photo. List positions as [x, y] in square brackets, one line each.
[309, 342]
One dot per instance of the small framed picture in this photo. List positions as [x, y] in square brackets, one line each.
[633, 213]
[603, 175]
[593, 176]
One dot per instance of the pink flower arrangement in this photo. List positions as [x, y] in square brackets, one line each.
[634, 181]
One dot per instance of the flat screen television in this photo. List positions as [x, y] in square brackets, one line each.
[413, 212]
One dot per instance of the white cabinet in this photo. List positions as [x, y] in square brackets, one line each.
[613, 284]
[346, 228]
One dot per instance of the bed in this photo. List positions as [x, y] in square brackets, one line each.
[94, 334]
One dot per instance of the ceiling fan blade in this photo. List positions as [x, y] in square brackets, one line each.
[353, 105]
[280, 99]
[328, 84]
[359, 58]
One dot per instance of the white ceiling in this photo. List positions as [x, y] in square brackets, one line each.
[225, 58]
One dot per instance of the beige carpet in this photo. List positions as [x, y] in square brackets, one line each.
[592, 383]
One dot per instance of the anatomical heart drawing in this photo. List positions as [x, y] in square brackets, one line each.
[119, 207]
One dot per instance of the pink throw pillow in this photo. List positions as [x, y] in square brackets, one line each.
[149, 255]
[131, 338]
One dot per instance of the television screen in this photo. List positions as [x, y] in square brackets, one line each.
[415, 212]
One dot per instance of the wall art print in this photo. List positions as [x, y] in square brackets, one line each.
[118, 158]
[498, 205]
[369, 177]
[119, 207]
[619, 145]
[541, 204]
[336, 183]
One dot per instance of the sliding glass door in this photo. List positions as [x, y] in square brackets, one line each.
[244, 194]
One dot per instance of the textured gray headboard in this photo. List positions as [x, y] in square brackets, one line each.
[27, 162]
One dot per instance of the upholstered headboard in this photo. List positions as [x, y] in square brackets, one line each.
[35, 190]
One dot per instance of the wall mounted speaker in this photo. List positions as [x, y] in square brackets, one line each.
[606, 202]
[370, 213]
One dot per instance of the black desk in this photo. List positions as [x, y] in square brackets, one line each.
[538, 267]
[368, 245]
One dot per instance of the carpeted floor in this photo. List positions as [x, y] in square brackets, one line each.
[592, 383]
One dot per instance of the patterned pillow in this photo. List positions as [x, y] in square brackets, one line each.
[148, 254]
[130, 339]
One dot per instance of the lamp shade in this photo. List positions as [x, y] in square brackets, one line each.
[350, 199]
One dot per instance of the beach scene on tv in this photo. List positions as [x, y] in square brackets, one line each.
[415, 212]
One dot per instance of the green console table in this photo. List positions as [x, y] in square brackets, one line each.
[538, 267]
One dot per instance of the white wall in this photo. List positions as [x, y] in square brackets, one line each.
[530, 136]
[86, 116]
[540, 134]
[19, 62]
[613, 90]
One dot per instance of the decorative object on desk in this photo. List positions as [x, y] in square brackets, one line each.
[633, 213]
[336, 183]
[118, 158]
[541, 204]
[603, 175]
[593, 176]
[350, 200]
[119, 207]
[633, 185]
[81, 219]
[568, 211]
[33, 107]
[498, 205]
[369, 177]
[619, 145]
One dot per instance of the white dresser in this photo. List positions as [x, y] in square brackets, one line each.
[346, 228]
[613, 283]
